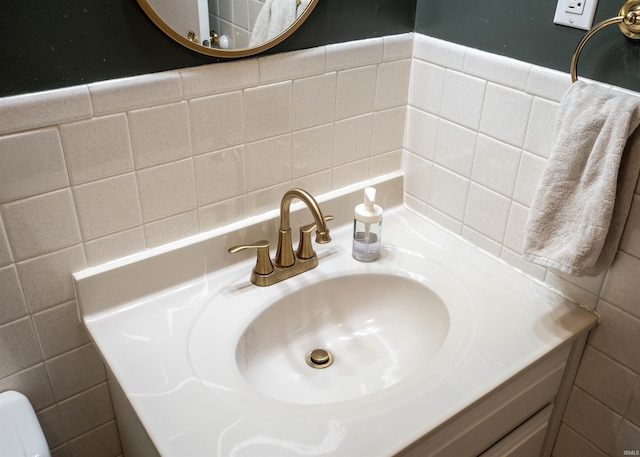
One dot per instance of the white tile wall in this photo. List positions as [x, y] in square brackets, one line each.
[115, 167]
[97, 172]
[472, 161]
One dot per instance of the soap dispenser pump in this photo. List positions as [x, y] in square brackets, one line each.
[367, 228]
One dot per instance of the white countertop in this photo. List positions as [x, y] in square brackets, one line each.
[505, 322]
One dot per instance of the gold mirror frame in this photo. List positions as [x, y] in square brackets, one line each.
[225, 53]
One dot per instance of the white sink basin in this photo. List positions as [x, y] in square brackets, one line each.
[389, 325]
[378, 328]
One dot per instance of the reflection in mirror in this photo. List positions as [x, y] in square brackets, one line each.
[228, 28]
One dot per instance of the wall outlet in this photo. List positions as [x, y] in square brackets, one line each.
[574, 6]
[575, 13]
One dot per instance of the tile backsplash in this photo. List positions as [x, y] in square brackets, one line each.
[92, 173]
[479, 130]
[96, 172]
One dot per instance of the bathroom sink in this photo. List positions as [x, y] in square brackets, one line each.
[378, 329]
[206, 363]
[387, 326]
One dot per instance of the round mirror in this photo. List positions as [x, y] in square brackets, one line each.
[228, 28]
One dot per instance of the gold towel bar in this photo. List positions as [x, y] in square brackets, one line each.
[629, 22]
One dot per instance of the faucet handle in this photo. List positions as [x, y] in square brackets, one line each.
[263, 261]
[305, 247]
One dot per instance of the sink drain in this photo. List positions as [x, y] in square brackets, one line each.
[319, 358]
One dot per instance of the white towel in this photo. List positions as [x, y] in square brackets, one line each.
[582, 202]
[274, 18]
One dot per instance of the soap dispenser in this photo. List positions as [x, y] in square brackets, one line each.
[367, 228]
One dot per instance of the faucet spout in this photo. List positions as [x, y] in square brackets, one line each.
[322, 232]
[284, 255]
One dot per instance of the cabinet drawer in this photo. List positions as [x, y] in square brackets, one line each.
[526, 440]
[485, 422]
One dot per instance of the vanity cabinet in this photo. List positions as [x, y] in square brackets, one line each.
[520, 418]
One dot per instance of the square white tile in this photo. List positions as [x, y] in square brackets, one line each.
[462, 99]
[352, 139]
[505, 114]
[14, 305]
[356, 91]
[455, 147]
[314, 100]
[268, 162]
[220, 175]
[42, 224]
[43, 109]
[420, 133]
[46, 280]
[630, 242]
[392, 86]
[160, 134]
[417, 176]
[354, 54]
[115, 246]
[167, 190]
[97, 148]
[397, 47]
[108, 206]
[316, 183]
[19, 348]
[529, 173]
[383, 164]
[266, 199]
[31, 163]
[267, 111]
[350, 173]
[172, 228]
[540, 135]
[495, 165]
[59, 329]
[548, 83]
[312, 150]
[487, 212]
[292, 65]
[448, 192]
[220, 77]
[514, 234]
[498, 69]
[621, 286]
[425, 87]
[75, 371]
[222, 213]
[217, 122]
[6, 256]
[120, 95]
[439, 52]
[388, 130]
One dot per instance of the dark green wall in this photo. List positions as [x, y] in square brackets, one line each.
[528, 33]
[48, 44]
[58, 43]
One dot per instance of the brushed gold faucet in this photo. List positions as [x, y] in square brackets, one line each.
[287, 263]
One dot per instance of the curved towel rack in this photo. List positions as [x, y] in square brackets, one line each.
[629, 22]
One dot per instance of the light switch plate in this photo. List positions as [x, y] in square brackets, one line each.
[575, 13]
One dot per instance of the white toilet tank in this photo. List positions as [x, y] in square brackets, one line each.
[20, 431]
